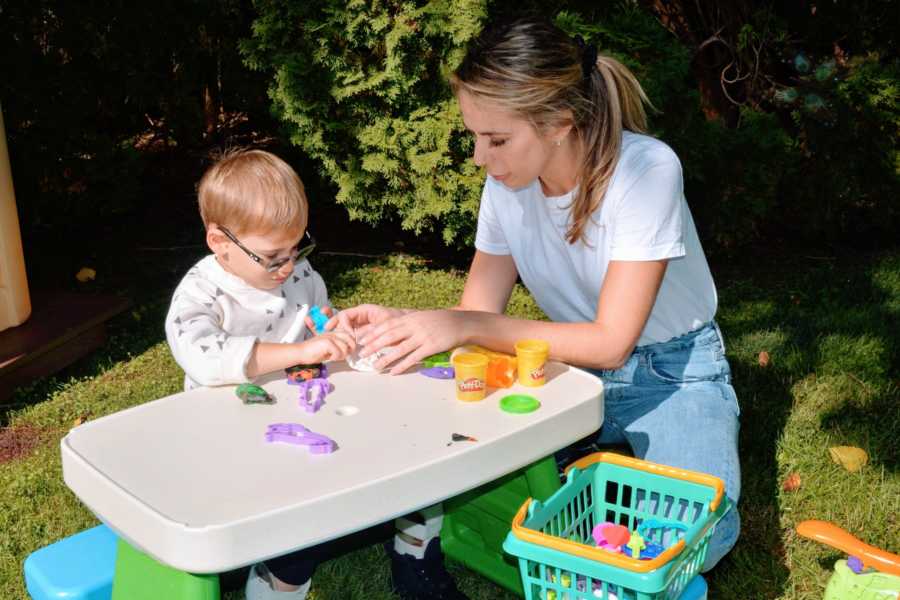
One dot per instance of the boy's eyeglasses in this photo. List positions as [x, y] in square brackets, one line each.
[304, 248]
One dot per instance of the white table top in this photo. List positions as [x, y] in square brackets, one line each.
[190, 479]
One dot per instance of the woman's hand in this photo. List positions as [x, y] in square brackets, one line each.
[413, 336]
[360, 319]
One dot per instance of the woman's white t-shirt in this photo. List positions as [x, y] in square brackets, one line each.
[643, 216]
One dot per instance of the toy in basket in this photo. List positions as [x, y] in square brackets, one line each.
[869, 574]
[674, 509]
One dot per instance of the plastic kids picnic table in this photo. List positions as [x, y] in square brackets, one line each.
[193, 488]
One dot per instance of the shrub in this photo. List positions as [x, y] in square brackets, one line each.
[363, 89]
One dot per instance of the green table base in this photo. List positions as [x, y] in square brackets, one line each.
[139, 577]
[476, 523]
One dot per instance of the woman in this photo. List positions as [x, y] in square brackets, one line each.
[590, 213]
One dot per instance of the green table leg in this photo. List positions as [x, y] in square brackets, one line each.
[476, 523]
[139, 577]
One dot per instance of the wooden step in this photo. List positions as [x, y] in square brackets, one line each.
[63, 327]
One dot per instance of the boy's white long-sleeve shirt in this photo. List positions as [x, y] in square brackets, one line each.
[216, 318]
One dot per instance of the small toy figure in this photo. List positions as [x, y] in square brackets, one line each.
[656, 527]
[253, 394]
[636, 544]
[648, 552]
[300, 373]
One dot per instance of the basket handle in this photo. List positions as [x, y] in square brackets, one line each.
[832, 535]
[596, 554]
[650, 467]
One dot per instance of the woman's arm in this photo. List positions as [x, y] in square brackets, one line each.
[489, 283]
[417, 334]
[626, 299]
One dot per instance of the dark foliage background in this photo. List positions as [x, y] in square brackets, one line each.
[784, 114]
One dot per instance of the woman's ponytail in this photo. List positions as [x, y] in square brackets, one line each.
[617, 100]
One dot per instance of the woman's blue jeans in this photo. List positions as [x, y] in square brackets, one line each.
[673, 403]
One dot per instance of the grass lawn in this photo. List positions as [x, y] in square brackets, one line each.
[830, 327]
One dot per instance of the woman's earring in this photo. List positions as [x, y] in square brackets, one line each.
[559, 142]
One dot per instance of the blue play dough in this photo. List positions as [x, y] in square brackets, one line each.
[318, 318]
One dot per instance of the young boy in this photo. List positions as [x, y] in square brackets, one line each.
[235, 316]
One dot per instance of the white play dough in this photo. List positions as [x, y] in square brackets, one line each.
[367, 364]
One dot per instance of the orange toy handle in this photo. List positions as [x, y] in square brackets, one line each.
[834, 536]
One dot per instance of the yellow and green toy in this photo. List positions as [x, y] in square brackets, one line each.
[869, 574]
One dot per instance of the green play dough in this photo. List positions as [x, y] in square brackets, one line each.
[519, 403]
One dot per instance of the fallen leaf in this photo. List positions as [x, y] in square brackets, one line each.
[86, 274]
[764, 359]
[791, 483]
[850, 457]
[80, 420]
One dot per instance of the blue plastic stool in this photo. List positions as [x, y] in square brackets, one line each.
[79, 567]
[695, 590]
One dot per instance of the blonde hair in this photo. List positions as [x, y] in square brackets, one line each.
[533, 69]
[252, 191]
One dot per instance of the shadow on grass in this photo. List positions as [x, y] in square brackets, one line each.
[813, 318]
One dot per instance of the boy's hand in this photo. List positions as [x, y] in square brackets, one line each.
[331, 345]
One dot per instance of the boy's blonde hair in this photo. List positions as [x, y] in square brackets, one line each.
[253, 191]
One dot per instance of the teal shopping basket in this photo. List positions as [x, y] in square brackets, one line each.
[672, 508]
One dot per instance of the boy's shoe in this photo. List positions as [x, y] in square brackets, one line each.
[422, 578]
[258, 587]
